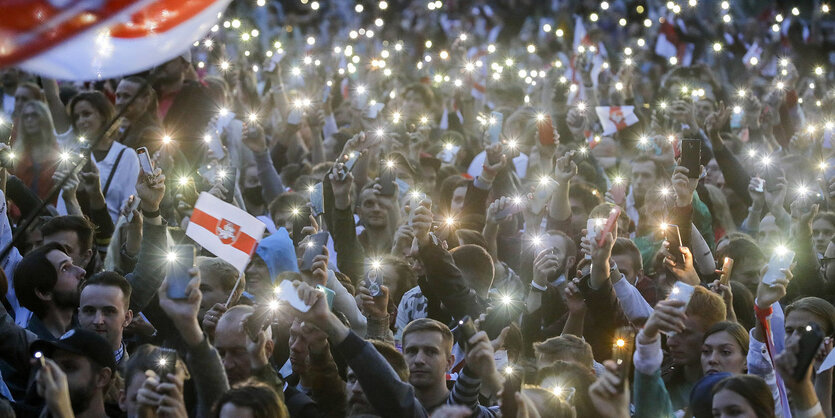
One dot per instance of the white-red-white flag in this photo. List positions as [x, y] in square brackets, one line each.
[94, 39]
[225, 230]
[616, 118]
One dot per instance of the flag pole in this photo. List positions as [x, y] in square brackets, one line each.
[234, 289]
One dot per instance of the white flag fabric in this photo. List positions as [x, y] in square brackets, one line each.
[225, 230]
[615, 118]
[92, 39]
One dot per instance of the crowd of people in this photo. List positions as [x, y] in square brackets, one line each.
[473, 208]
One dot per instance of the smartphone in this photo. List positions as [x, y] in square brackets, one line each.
[594, 226]
[317, 202]
[300, 221]
[609, 226]
[373, 283]
[88, 159]
[673, 235]
[229, 181]
[329, 294]
[464, 331]
[348, 166]
[134, 205]
[622, 353]
[546, 131]
[808, 346]
[145, 161]
[683, 292]
[256, 322]
[691, 157]
[313, 247]
[178, 267]
[166, 363]
[511, 208]
[387, 178]
[495, 130]
[295, 116]
[760, 185]
[374, 110]
[781, 259]
[286, 292]
[727, 268]
[512, 384]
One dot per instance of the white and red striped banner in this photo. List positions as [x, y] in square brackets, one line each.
[225, 230]
[93, 39]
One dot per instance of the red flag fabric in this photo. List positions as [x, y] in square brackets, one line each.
[91, 39]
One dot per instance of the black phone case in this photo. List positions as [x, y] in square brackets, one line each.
[672, 237]
[691, 156]
[300, 221]
[170, 364]
[809, 343]
[229, 184]
[512, 384]
[318, 240]
[464, 331]
[387, 182]
[178, 276]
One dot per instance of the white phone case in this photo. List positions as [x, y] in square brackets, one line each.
[287, 293]
[776, 263]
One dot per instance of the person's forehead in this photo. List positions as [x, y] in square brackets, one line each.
[101, 296]
[229, 336]
[800, 317]
[67, 237]
[425, 338]
[719, 338]
[57, 257]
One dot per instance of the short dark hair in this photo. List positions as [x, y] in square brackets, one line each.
[96, 99]
[626, 247]
[76, 223]
[475, 263]
[260, 398]
[751, 387]
[36, 272]
[112, 279]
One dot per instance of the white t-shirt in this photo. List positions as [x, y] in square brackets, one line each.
[124, 179]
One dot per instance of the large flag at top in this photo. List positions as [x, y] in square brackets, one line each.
[225, 230]
[95, 39]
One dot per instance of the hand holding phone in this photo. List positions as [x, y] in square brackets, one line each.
[622, 353]
[464, 331]
[145, 161]
[808, 346]
[313, 247]
[512, 385]
[495, 129]
[782, 259]
[181, 261]
[691, 156]
[166, 363]
[727, 268]
[609, 227]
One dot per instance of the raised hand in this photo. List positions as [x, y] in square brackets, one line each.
[683, 272]
[668, 316]
[606, 396]
[151, 189]
[767, 295]
[373, 307]
[683, 186]
[566, 168]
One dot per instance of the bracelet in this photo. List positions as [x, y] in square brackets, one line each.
[536, 287]
[762, 314]
[153, 214]
[811, 412]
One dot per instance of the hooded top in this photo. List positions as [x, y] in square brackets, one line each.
[278, 253]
